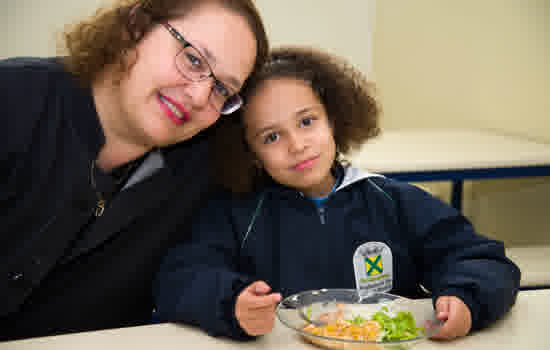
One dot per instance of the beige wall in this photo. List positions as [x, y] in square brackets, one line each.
[32, 27]
[437, 63]
[340, 27]
[480, 63]
[472, 63]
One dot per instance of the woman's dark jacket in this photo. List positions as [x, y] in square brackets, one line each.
[294, 246]
[61, 270]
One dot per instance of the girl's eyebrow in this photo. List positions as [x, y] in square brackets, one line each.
[298, 113]
[307, 109]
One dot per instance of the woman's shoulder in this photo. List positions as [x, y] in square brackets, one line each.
[32, 66]
[25, 80]
[27, 85]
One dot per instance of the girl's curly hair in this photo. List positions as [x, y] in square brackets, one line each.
[102, 40]
[341, 88]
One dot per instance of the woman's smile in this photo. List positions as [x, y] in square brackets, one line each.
[172, 109]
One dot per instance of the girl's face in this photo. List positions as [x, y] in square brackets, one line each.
[155, 105]
[288, 130]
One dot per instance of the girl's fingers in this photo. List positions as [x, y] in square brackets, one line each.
[260, 314]
[260, 288]
[258, 324]
[255, 310]
[457, 315]
[442, 307]
[262, 302]
[459, 312]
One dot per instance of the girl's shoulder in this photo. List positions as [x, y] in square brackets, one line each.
[395, 190]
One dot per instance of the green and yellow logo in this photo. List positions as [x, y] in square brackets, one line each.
[373, 265]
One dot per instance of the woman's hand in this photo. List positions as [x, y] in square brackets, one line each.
[456, 316]
[255, 308]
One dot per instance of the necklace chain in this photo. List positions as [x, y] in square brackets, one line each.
[101, 201]
[100, 205]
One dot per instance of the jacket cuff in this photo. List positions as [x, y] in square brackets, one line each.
[468, 298]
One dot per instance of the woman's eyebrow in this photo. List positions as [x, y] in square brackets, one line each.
[232, 81]
[264, 130]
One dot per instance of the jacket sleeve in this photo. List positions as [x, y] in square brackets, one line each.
[455, 260]
[198, 282]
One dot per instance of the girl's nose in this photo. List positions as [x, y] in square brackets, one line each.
[297, 143]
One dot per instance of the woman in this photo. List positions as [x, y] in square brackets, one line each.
[103, 155]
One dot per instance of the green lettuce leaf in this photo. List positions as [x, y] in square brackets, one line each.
[400, 327]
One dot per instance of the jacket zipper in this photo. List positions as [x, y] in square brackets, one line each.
[321, 211]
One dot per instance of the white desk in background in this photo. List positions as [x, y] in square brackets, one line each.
[524, 327]
[417, 155]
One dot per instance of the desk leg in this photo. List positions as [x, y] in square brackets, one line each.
[456, 196]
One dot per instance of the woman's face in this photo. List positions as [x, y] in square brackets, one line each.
[159, 106]
[287, 128]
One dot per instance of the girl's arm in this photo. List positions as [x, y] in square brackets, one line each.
[454, 260]
[198, 282]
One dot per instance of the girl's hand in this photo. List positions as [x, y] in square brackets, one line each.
[255, 308]
[456, 316]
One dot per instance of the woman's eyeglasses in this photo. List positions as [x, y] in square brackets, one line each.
[193, 66]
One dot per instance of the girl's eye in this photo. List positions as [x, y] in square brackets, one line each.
[306, 121]
[271, 138]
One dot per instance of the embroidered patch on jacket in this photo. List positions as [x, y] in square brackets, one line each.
[373, 265]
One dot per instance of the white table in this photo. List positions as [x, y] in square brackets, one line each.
[417, 155]
[524, 327]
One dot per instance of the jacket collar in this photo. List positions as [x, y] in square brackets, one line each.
[353, 175]
[350, 175]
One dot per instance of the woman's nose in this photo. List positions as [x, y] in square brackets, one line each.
[199, 92]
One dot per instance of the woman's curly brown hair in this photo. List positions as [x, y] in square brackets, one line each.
[102, 40]
[341, 88]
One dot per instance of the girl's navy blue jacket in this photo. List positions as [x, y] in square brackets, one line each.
[294, 246]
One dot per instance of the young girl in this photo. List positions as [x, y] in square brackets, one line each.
[298, 214]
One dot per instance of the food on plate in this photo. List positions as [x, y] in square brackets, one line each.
[382, 326]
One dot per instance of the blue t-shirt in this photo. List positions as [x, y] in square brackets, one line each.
[320, 201]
